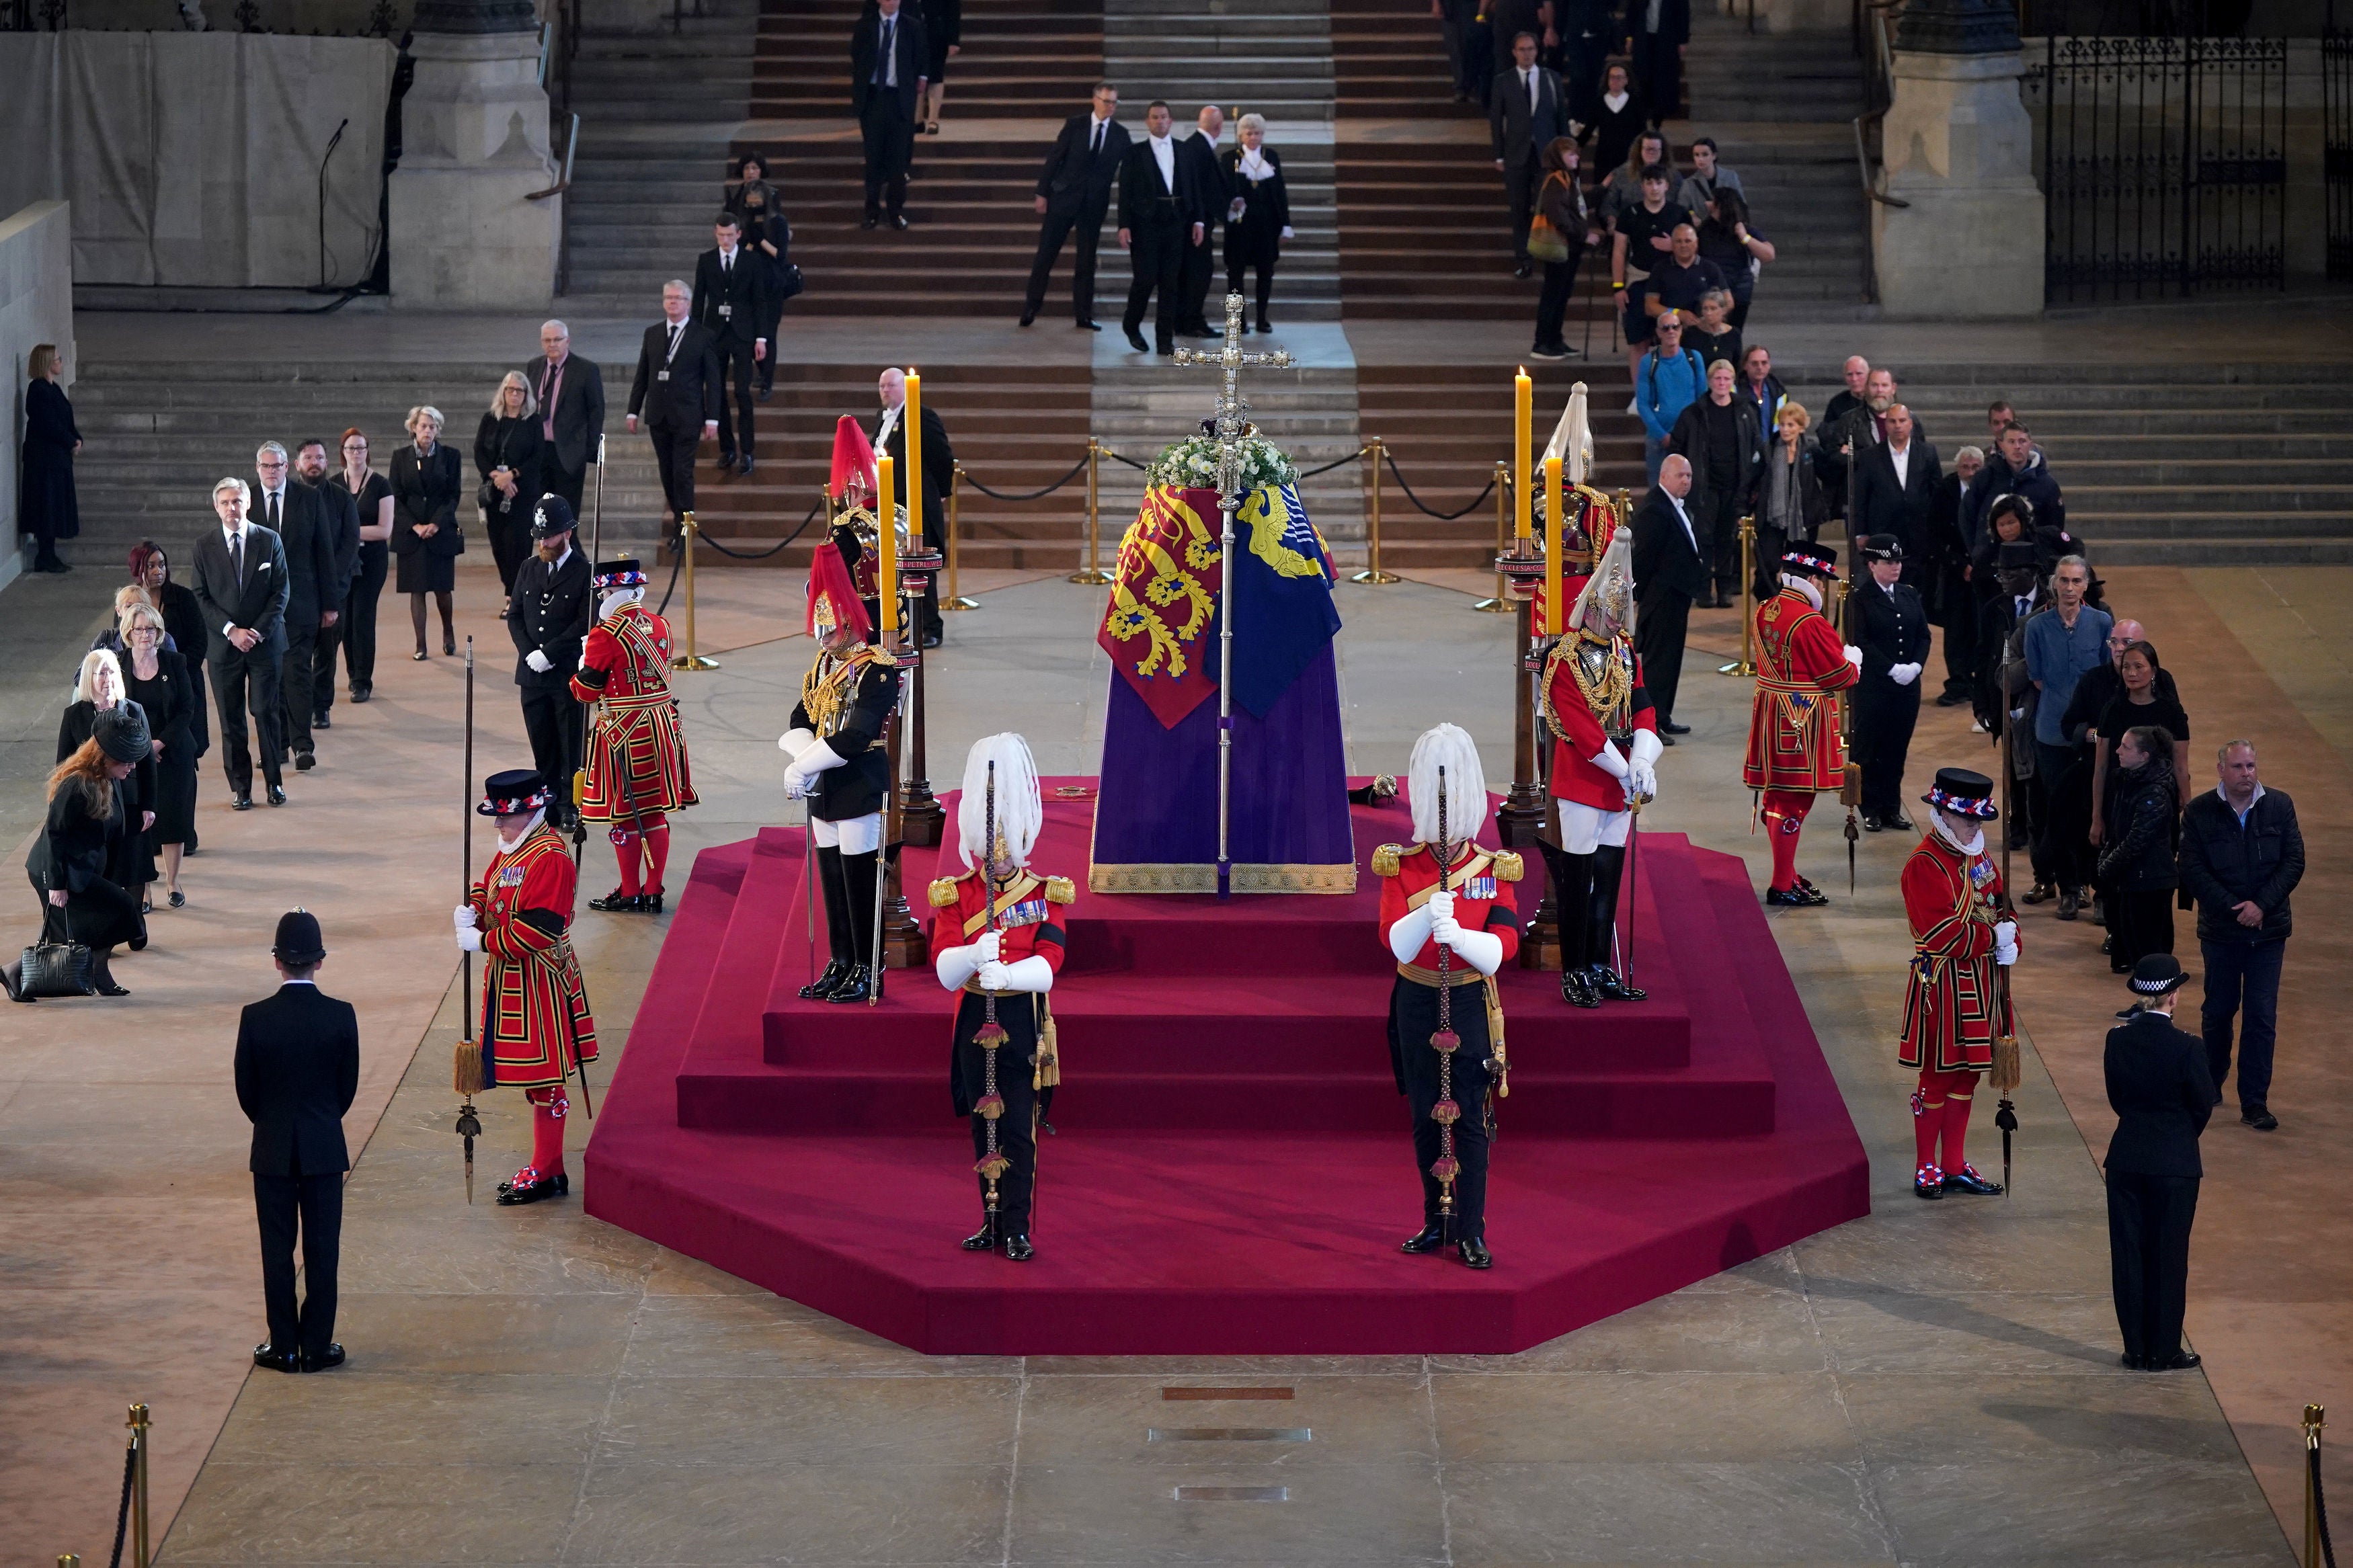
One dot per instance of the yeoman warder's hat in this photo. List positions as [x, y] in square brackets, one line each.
[515, 790]
[1963, 793]
[1810, 560]
[622, 573]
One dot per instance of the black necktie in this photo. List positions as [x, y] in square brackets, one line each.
[236, 555]
[726, 264]
[883, 60]
[270, 519]
[1095, 143]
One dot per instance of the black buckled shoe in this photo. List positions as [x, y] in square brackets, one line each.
[1574, 991]
[1788, 899]
[650, 903]
[1429, 1238]
[854, 988]
[333, 1357]
[1474, 1254]
[1611, 987]
[1967, 1180]
[835, 973]
[1018, 1250]
[562, 1184]
[272, 1360]
[616, 902]
[529, 1187]
[984, 1240]
[1928, 1182]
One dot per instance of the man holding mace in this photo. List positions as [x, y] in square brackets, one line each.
[1794, 746]
[1956, 1001]
[535, 1026]
[1604, 767]
[1449, 918]
[997, 931]
[637, 756]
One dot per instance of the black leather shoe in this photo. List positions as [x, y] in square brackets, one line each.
[241, 803]
[1018, 1250]
[1898, 822]
[616, 902]
[305, 762]
[899, 222]
[1967, 1180]
[1872, 823]
[982, 1240]
[2068, 904]
[1670, 727]
[1088, 324]
[563, 1185]
[727, 460]
[835, 972]
[1523, 270]
[1429, 1238]
[765, 394]
[650, 903]
[2261, 1120]
[1029, 316]
[362, 693]
[1666, 740]
[1611, 987]
[932, 639]
[1927, 1181]
[744, 469]
[513, 1194]
[277, 796]
[1474, 1254]
[872, 221]
[2179, 1361]
[2040, 894]
[1952, 699]
[1135, 341]
[2131, 1362]
[332, 1356]
[855, 985]
[271, 1360]
[321, 721]
[1574, 991]
[1789, 899]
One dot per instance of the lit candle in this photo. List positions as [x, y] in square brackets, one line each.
[1522, 411]
[886, 575]
[1555, 613]
[913, 420]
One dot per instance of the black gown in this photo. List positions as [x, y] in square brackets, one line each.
[131, 861]
[170, 700]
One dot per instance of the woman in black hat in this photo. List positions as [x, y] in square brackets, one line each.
[80, 842]
[2162, 1094]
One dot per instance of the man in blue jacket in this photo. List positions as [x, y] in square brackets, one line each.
[2061, 645]
[2241, 856]
[1667, 379]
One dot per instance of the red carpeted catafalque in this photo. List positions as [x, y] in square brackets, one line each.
[1230, 1172]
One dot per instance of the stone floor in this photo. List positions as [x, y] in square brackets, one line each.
[1930, 1384]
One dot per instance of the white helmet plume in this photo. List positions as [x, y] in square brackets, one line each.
[1572, 439]
[1450, 747]
[1019, 812]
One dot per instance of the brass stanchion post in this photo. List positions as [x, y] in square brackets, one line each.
[2312, 1422]
[69, 1560]
[1746, 663]
[1500, 605]
[140, 1556]
[1373, 576]
[1095, 576]
[690, 660]
[954, 598]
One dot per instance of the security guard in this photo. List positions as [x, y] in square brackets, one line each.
[1891, 627]
[548, 614]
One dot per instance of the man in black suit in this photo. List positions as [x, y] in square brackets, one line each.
[1075, 194]
[1198, 150]
[886, 430]
[2159, 1088]
[1525, 112]
[1661, 30]
[1891, 627]
[296, 513]
[340, 515]
[1669, 574]
[571, 392]
[297, 1069]
[241, 587]
[551, 611]
[677, 388]
[1896, 485]
[1159, 216]
[731, 303]
[888, 57]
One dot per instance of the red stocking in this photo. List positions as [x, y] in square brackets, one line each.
[1928, 1111]
[547, 1116]
[657, 851]
[1784, 818]
[1959, 1086]
[626, 849]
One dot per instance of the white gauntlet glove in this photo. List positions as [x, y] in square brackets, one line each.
[1412, 932]
[539, 662]
[992, 976]
[1642, 782]
[990, 946]
[463, 917]
[1854, 656]
[793, 743]
[469, 939]
[2005, 942]
[1905, 674]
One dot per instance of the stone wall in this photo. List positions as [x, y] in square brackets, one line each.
[35, 306]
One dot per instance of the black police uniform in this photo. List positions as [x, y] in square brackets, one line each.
[1890, 627]
[551, 611]
[2162, 1095]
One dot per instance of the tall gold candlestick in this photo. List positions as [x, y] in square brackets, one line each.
[887, 534]
[914, 416]
[1523, 413]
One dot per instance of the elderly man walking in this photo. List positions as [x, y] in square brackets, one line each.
[2241, 856]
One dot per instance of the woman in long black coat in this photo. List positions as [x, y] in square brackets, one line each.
[426, 479]
[507, 459]
[184, 623]
[769, 234]
[98, 690]
[158, 680]
[1257, 211]
[87, 823]
[46, 506]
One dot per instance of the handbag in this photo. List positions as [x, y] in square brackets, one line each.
[56, 968]
[789, 281]
[1545, 243]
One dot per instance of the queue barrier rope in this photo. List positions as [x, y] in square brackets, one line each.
[2319, 1550]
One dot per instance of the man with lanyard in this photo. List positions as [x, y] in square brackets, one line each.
[1794, 746]
[637, 772]
[549, 623]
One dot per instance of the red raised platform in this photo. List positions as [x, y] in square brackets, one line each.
[1231, 1173]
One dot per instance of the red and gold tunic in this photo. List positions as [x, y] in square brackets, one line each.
[1793, 727]
[1593, 695]
[1953, 1008]
[535, 1020]
[1482, 884]
[1029, 923]
[637, 757]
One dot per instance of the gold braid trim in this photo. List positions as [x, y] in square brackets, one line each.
[1611, 697]
[829, 687]
[1386, 858]
[943, 892]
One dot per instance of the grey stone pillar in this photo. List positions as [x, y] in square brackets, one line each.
[474, 137]
[1958, 148]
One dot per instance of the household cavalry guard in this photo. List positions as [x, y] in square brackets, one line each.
[1450, 930]
[535, 1026]
[1604, 768]
[1956, 1001]
[637, 764]
[1794, 746]
[998, 935]
[839, 764]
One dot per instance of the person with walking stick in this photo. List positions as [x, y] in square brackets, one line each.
[1955, 1003]
[536, 1029]
[997, 937]
[1448, 900]
[638, 771]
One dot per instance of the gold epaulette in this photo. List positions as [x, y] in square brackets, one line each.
[943, 892]
[1061, 891]
[1509, 868]
[1386, 858]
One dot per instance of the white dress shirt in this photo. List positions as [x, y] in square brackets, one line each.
[1684, 518]
[890, 422]
[1163, 152]
[1096, 133]
[1901, 457]
[236, 539]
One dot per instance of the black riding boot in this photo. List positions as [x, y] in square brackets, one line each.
[1608, 867]
[841, 956]
[1572, 891]
[857, 883]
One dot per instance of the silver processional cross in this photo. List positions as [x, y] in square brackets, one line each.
[1230, 359]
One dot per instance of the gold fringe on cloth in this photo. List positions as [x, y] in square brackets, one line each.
[1202, 877]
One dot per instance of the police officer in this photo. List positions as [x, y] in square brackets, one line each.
[1891, 627]
[548, 617]
[2162, 1095]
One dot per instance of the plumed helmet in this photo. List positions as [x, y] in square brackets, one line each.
[1450, 747]
[1606, 605]
[833, 600]
[853, 459]
[1019, 811]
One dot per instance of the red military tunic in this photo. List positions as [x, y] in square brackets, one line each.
[1608, 704]
[535, 1019]
[1793, 726]
[637, 758]
[1953, 1008]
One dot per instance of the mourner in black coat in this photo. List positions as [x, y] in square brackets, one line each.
[1197, 148]
[731, 303]
[1887, 503]
[81, 841]
[553, 610]
[2162, 1094]
[1072, 200]
[512, 442]
[1891, 627]
[1253, 180]
[340, 515]
[888, 52]
[298, 1070]
[677, 392]
[306, 529]
[1670, 573]
[45, 504]
[241, 585]
[1160, 212]
[938, 478]
[570, 390]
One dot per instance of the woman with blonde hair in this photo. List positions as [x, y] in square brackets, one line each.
[161, 683]
[99, 689]
[507, 459]
[72, 856]
[46, 506]
[1790, 507]
[426, 479]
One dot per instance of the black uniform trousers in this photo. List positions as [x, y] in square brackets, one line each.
[359, 618]
[318, 1202]
[2148, 1259]
[1659, 632]
[1717, 528]
[736, 364]
[245, 681]
[551, 718]
[674, 447]
[1156, 252]
[890, 135]
[295, 676]
[1884, 716]
[1016, 1015]
[1413, 1018]
[1068, 217]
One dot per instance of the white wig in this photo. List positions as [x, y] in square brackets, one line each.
[1449, 747]
[1019, 812]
